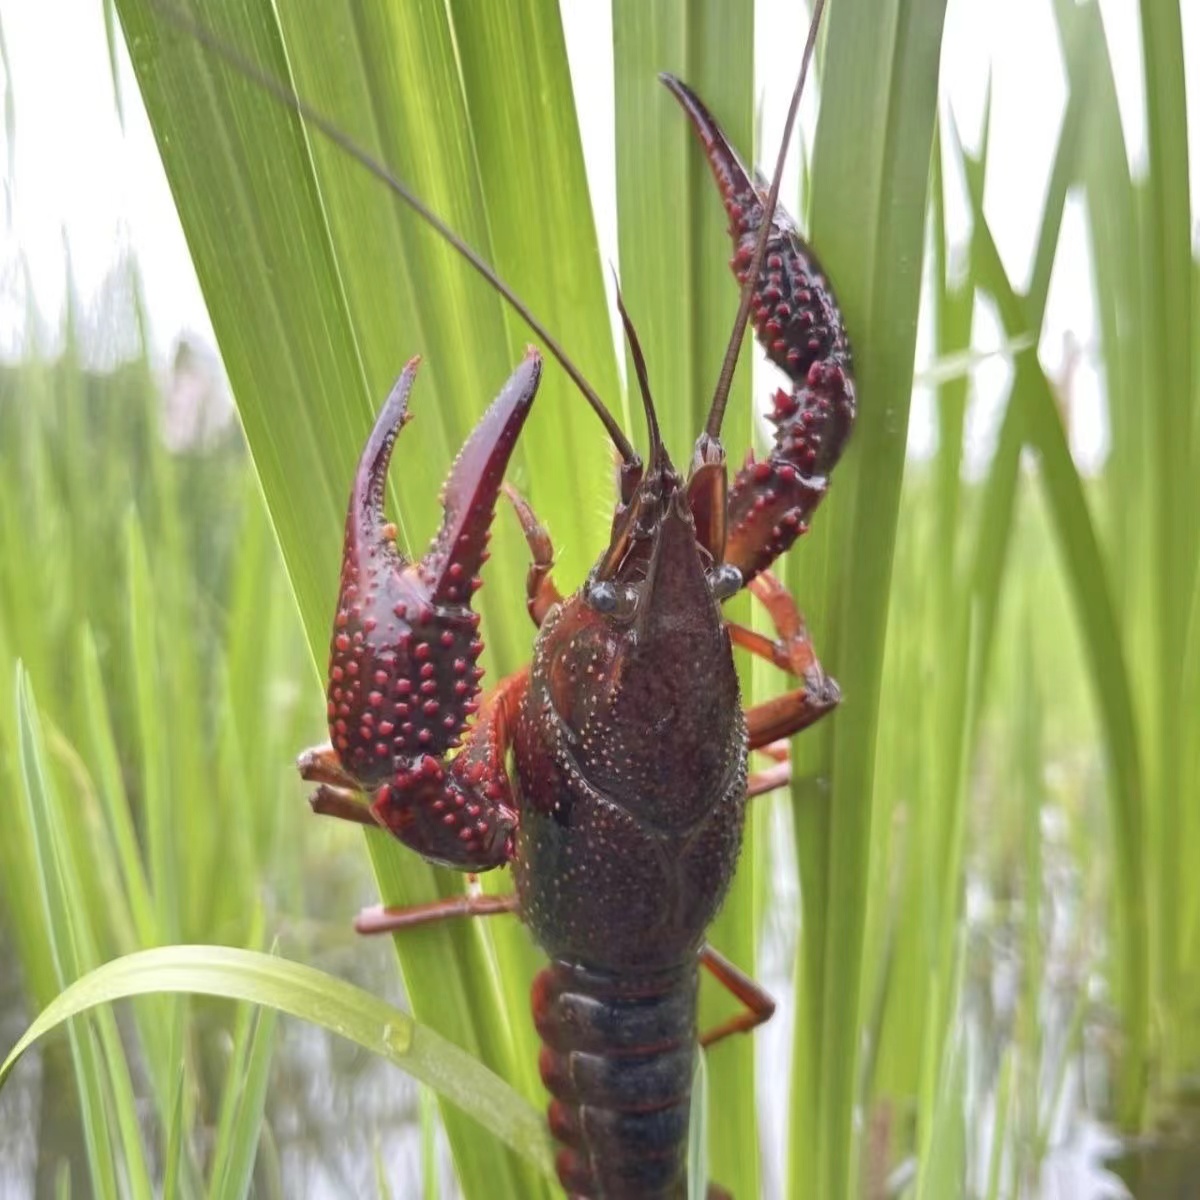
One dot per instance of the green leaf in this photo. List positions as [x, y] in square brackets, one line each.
[109, 1114]
[320, 999]
[237, 1149]
[320, 287]
[1084, 567]
[870, 182]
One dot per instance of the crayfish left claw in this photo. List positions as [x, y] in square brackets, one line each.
[403, 674]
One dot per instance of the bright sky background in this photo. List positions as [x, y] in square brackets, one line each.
[76, 177]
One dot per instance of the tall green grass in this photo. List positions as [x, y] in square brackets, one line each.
[148, 766]
[988, 636]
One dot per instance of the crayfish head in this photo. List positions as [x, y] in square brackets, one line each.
[640, 669]
[658, 578]
[639, 662]
[663, 562]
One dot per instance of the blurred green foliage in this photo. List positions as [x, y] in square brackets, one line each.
[1010, 786]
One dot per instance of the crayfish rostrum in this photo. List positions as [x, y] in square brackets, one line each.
[621, 813]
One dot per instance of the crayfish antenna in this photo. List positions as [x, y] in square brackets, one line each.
[657, 456]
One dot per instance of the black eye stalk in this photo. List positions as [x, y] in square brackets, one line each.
[725, 581]
[612, 600]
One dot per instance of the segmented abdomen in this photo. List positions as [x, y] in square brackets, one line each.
[617, 1057]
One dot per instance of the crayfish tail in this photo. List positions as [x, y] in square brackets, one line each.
[617, 1057]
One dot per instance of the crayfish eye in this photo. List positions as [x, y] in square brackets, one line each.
[611, 600]
[725, 581]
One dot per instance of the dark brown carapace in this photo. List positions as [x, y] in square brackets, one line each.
[622, 812]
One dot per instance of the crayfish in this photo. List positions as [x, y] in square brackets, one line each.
[621, 814]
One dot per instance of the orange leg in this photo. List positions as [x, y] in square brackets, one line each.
[775, 776]
[321, 764]
[389, 920]
[759, 1006]
[330, 801]
[792, 651]
[540, 593]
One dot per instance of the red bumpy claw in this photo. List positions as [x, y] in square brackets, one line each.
[403, 673]
[797, 320]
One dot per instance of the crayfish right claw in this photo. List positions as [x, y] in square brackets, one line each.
[798, 323]
[403, 673]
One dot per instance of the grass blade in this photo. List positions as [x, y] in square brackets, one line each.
[316, 997]
[870, 181]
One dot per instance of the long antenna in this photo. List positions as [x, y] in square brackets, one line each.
[311, 116]
[643, 378]
[716, 413]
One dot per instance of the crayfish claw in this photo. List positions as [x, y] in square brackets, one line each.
[366, 519]
[741, 198]
[798, 323]
[403, 673]
[451, 566]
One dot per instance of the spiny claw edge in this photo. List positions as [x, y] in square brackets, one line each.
[403, 673]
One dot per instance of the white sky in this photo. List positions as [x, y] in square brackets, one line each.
[77, 178]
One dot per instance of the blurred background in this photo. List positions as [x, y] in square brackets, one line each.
[1028, 955]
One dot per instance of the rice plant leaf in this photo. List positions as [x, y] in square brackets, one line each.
[237, 1152]
[162, 847]
[1168, 330]
[320, 999]
[103, 754]
[319, 288]
[870, 182]
[108, 1110]
[1104, 642]
[175, 1138]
